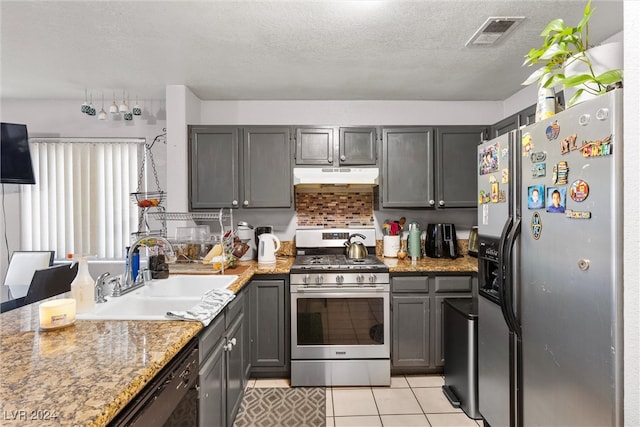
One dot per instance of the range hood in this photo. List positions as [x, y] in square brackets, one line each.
[344, 177]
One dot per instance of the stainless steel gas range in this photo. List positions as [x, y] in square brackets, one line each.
[340, 333]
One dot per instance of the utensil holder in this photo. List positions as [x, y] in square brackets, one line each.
[390, 246]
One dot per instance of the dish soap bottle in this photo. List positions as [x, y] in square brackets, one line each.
[82, 288]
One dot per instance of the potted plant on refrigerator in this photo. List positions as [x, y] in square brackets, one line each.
[567, 59]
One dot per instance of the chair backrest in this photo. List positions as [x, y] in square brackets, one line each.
[51, 281]
[22, 266]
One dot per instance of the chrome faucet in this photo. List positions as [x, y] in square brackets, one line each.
[130, 283]
[99, 288]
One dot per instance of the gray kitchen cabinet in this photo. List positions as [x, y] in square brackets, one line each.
[410, 336]
[222, 366]
[417, 318]
[358, 146]
[314, 146]
[233, 167]
[457, 165]
[213, 167]
[267, 167]
[331, 146]
[407, 167]
[515, 121]
[269, 326]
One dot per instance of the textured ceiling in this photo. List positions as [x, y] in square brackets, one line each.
[275, 50]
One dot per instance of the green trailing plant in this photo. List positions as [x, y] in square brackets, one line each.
[562, 46]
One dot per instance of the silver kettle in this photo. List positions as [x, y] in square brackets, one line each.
[356, 250]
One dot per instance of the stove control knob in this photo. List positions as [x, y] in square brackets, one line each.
[360, 278]
[372, 278]
[319, 279]
[306, 279]
[340, 279]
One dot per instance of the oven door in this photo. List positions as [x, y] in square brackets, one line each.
[340, 323]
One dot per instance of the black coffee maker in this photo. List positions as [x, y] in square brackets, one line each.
[441, 241]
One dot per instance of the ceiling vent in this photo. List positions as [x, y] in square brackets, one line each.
[493, 30]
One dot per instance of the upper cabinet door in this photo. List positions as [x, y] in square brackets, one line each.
[358, 146]
[407, 167]
[456, 151]
[314, 146]
[213, 165]
[267, 167]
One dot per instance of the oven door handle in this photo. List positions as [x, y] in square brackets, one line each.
[341, 289]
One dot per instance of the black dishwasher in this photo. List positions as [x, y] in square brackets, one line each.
[461, 354]
[171, 398]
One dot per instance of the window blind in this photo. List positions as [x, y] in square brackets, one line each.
[80, 203]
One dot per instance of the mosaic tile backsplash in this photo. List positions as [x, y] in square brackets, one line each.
[334, 209]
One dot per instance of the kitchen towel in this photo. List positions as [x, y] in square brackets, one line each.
[207, 309]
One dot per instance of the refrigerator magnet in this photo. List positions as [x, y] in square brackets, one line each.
[483, 197]
[599, 148]
[488, 159]
[538, 156]
[556, 199]
[577, 214]
[495, 189]
[568, 144]
[535, 198]
[552, 131]
[505, 176]
[579, 190]
[539, 170]
[536, 225]
[527, 144]
[561, 173]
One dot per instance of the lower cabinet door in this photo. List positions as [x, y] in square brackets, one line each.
[410, 331]
[268, 333]
[235, 368]
[213, 381]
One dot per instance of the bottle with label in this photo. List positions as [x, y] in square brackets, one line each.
[546, 106]
[82, 288]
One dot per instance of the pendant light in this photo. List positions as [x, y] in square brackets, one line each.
[85, 105]
[92, 110]
[124, 108]
[137, 110]
[113, 109]
[102, 115]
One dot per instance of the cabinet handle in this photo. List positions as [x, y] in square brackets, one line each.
[234, 203]
[343, 157]
[245, 203]
[233, 341]
[432, 202]
[330, 160]
[441, 202]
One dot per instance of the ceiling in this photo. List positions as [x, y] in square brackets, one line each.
[276, 50]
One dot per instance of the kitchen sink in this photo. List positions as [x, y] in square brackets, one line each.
[153, 300]
[184, 285]
[135, 307]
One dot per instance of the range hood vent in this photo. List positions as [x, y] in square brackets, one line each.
[344, 177]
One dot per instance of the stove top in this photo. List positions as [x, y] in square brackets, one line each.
[337, 262]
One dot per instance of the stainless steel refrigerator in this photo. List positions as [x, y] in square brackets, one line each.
[550, 270]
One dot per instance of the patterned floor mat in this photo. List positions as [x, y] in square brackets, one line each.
[270, 407]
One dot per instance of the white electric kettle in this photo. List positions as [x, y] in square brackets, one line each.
[268, 245]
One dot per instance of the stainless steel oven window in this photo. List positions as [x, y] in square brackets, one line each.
[340, 325]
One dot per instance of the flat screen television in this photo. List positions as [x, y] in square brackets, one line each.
[15, 164]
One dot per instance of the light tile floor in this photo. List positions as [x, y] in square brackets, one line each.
[412, 400]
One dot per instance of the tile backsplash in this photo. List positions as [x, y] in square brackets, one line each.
[334, 209]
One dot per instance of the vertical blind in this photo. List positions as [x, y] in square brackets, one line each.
[80, 203]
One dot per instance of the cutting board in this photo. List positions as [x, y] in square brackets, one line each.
[194, 268]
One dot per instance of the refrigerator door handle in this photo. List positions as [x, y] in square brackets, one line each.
[502, 246]
[507, 289]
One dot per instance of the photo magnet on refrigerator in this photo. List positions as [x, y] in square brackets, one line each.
[488, 159]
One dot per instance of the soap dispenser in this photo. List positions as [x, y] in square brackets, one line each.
[82, 288]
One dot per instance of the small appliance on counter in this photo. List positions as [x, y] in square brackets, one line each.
[261, 229]
[473, 242]
[441, 241]
[267, 248]
[246, 235]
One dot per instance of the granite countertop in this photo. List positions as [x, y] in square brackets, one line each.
[86, 373]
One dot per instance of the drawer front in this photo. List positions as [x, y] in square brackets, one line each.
[453, 284]
[234, 309]
[210, 336]
[410, 284]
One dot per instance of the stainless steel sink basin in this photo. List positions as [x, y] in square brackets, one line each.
[156, 298]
